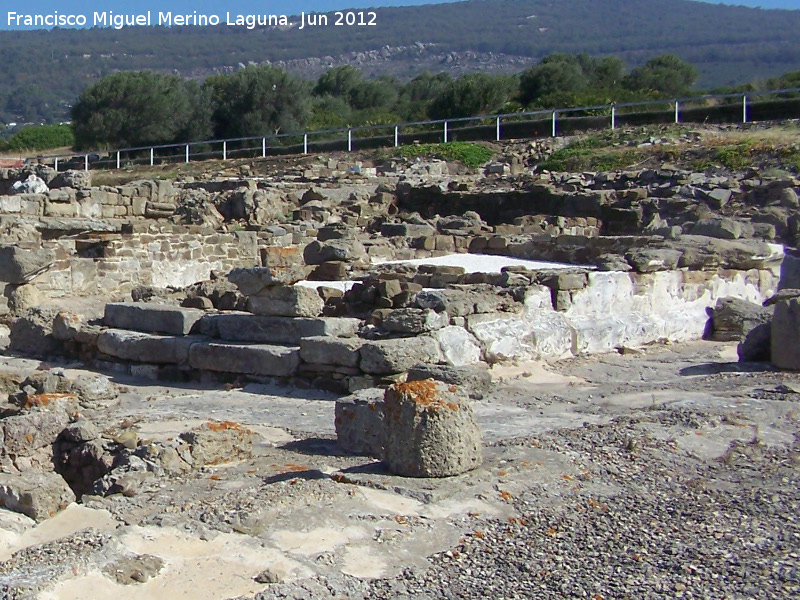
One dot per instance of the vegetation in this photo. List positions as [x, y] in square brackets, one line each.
[775, 149]
[40, 137]
[470, 155]
[44, 72]
[145, 108]
[139, 109]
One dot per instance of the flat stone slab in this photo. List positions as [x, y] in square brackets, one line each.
[147, 348]
[397, 355]
[252, 359]
[324, 350]
[151, 318]
[245, 327]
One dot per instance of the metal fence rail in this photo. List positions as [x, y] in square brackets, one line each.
[524, 124]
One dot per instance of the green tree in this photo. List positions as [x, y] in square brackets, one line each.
[665, 74]
[41, 137]
[373, 93]
[556, 74]
[337, 81]
[416, 96]
[139, 109]
[258, 100]
[472, 95]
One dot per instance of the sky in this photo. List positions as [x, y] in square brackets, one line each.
[245, 7]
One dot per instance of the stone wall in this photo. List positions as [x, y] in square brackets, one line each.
[166, 256]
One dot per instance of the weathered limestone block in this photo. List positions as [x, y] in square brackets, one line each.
[286, 301]
[459, 347]
[718, 197]
[733, 318]
[342, 250]
[429, 430]
[786, 335]
[72, 179]
[23, 297]
[324, 350]
[21, 265]
[648, 260]
[359, 422]
[406, 230]
[756, 345]
[217, 442]
[700, 252]
[414, 320]
[254, 280]
[144, 347]
[724, 228]
[329, 271]
[398, 355]
[253, 359]
[25, 434]
[36, 494]
[142, 316]
[565, 281]
[32, 332]
[474, 379]
[245, 327]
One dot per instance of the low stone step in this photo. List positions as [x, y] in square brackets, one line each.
[245, 327]
[145, 347]
[151, 318]
[253, 359]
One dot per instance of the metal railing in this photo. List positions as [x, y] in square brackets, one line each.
[525, 124]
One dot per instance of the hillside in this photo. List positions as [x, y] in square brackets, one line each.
[44, 71]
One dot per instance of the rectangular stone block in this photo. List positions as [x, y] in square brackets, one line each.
[397, 355]
[146, 348]
[331, 351]
[252, 359]
[141, 316]
[277, 330]
[286, 301]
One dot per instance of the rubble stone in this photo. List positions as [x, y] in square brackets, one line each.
[39, 495]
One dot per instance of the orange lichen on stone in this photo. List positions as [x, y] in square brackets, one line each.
[296, 468]
[425, 393]
[225, 425]
[42, 400]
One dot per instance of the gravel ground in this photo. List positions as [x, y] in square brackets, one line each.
[671, 473]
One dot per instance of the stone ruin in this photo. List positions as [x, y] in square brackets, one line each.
[343, 278]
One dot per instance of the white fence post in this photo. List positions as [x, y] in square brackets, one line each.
[349, 140]
[744, 108]
[224, 150]
[56, 165]
[151, 157]
[117, 159]
[86, 162]
[305, 143]
[677, 111]
[554, 123]
[396, 136]
[497, 129]
[263, 147]
[613, 117]
[445, 132]
[187, 153]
